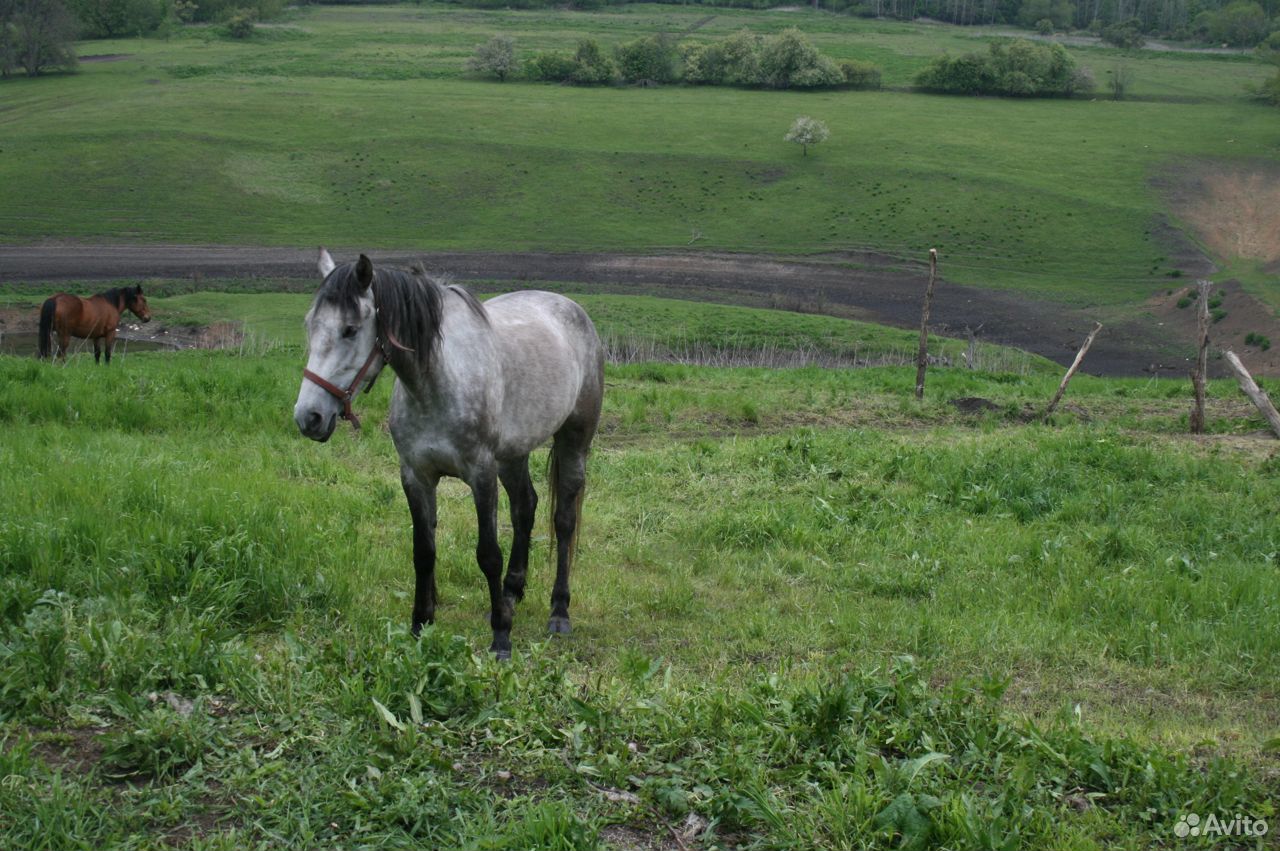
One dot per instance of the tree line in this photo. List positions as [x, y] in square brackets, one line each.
[787, 60]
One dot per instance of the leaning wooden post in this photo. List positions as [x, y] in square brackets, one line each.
[1202, 360]
[922, 356]
[1254, 392]
[1066, 379]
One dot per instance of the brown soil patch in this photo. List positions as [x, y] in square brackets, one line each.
[855, 285]
[1234, 208]
[1245, 315]
[75, 751]
[105, 57]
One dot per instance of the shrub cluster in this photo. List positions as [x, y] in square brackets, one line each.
[785, 61]
[1255, 339]
[1017, 67]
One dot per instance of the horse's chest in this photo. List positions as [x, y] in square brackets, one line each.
[431, 445]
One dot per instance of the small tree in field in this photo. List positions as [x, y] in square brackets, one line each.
[807, 131]
[496, 56]
[36, 35]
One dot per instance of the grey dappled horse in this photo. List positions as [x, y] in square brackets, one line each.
[479, 387]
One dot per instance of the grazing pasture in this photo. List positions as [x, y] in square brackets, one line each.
[362, 121]
[808, 612]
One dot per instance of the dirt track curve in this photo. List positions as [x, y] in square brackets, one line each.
[857, 285]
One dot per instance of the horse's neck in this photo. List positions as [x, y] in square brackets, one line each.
[463, 357]
[116, 304]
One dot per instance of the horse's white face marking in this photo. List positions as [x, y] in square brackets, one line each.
[338, 344]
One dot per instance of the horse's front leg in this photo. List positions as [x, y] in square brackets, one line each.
[484, 489]
[111, 344]
[97, 352]
[422, 510]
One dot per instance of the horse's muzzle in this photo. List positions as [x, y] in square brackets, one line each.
[316, 425]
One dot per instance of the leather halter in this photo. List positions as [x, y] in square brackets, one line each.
[345, 396]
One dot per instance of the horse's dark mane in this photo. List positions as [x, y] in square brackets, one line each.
[410, 307]
[119, 296]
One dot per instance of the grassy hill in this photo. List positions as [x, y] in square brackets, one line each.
[358, 123]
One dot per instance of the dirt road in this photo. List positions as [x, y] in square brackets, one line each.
[866, 286]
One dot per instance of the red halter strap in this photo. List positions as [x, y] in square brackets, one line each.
[345, 396]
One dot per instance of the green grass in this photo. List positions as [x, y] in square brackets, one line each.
[808, 610]
[356, 124]
[634, 326]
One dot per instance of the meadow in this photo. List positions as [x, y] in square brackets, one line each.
[809, 612]
[361, 122]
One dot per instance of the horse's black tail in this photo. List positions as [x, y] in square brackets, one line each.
[47, 310]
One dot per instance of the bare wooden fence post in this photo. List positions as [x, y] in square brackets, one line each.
[971, 353]
[1066, 379]
[1202, 360]
[1254, 392]
[922, 356]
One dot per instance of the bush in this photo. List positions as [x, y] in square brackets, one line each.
[1255, 339]
[860, 75]
[1269, 90]
[1059, 13]
[703, 63]
[1044, 26]
[789, 60]
[240, 24]
[649, 59]
[36, 35]
[1119, 79]
[740, 53]
[550, 67]
[1019, 68]
[591, 66]
[1126, 35]
[1242, 23]
[496, 56]
[114, 18]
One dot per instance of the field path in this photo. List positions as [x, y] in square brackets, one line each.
[865, 286]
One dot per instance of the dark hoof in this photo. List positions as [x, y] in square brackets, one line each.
[559, 625]
[501, 646]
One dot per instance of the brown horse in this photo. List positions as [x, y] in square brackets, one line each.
[89, 318]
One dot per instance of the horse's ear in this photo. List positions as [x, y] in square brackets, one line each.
[138, 289]
[364, 271]
[325, 263]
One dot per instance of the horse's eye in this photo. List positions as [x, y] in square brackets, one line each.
[350, 332]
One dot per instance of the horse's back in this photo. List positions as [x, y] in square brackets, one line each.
[553, 362]
[81, 317]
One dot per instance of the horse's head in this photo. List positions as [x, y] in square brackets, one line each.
[343, 354]
[136, 302]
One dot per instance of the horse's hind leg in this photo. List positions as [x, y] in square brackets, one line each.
[568, 484]
[524, 503]
[422, 509]
[64, 343]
